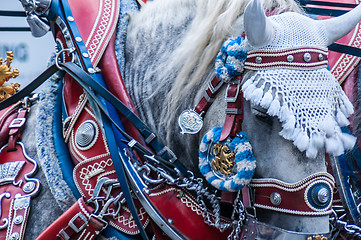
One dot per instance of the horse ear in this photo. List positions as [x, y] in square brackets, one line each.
[258, 27]
[338, 27]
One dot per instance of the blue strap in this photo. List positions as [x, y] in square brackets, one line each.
[15, 29]
[355, 152]
[61, 149]
[113, 138]
[348, 171]
[115, 149]
[67, 166]
[87, 81]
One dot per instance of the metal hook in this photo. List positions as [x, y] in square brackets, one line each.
[57, 56]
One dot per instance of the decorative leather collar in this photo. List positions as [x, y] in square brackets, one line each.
[311, 196]
[299, 58]
[97, 28]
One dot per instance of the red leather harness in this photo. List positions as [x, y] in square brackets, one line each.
[17, 187]
[93, 164]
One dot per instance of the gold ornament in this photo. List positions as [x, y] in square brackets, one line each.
[6, 74]
[223, 159]
[317, 237]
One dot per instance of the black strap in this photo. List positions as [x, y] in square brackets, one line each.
[5, 13]
[329, 4]
[30, 87]
[14, 29]
[325, 11]
[12, 13]
[87, 81]
[341, 48]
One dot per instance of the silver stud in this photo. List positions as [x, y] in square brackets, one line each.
[14, 236]
[307, 57]
[18, 219]
[258, 60]
[70, 19]
[78, 39]
[85, 55]
[323, 195]
[29, 187]
[320, 57]
[91, 70]
[290, 58]
[276, 198]
[170, 221]
[85, 134]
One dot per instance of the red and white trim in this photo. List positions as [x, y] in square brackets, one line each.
[294, 196]
[299, 58]
[103, 29]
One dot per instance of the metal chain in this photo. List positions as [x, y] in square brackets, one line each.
[196, 184]
[202, 194]
[238, 208]
[340, 224]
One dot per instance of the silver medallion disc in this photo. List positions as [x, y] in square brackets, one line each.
[190, 122]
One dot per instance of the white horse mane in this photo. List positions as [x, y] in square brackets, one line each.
[209, 24]
[214, 22]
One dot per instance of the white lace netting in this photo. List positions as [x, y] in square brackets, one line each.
[293, 29]
[310, 103]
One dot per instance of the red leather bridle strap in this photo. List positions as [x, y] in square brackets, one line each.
[16, 127]
[77, 222]
[295, 198]
[209, 95]
[299, 58]
[234, 111]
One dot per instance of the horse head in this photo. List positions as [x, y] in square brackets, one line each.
[294, 107]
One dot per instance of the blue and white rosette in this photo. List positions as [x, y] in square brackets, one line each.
[230, 59]
[243, 168]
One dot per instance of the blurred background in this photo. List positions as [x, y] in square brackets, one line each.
[31, 54]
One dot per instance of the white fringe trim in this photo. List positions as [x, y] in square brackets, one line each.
[327, 134]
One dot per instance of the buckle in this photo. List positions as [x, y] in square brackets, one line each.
[208, 98]
[234, 98]
[17, 123]
[83, 218]
[105, 223]
[214, 89]
[235, 111]
[150, 138]
[64, 234]
[172, 156]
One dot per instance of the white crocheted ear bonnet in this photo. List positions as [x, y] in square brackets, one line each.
[309, 101]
